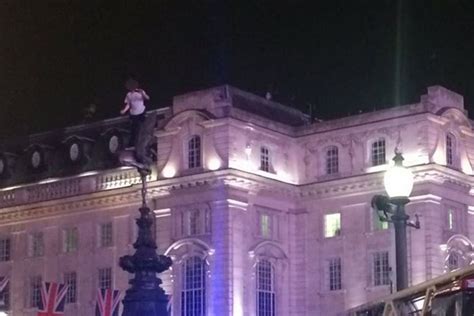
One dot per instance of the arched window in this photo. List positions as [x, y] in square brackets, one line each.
[193, 287]
[265, 288]
[194, 152]
[450, 149]
[377, 152]
[332, 160]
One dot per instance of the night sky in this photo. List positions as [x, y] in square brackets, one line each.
[58, 57]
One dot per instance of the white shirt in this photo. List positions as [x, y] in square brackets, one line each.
[135, 100]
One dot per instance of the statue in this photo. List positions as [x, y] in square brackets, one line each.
[145, 296]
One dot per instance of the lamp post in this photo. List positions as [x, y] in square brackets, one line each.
[398, 183]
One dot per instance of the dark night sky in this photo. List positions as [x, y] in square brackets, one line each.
[57, 57]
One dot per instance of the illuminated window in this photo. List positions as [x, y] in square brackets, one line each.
[105, 278]
[71, 239]
[70, 280]
[265, 288]
[378, 224]
[207, 221]
[381, 268]
[335, 274]
[450, 219]
[194, 152]
[450, 146]
[193, 290]
[332, 160]
[36, 244]
[5, 249]
[332, 225]
[264, 159]
[106, 236]
[35, 291]
[265, 226]
[378, 152]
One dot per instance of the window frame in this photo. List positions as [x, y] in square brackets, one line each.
[105, 277]
[70, 239]
[381, 269]
[265, 287]
[34, 290]
[36, 244]
[106, 234]
[334, 274]
[378, 153]
[5, 249]
[70, 280]
[193, 290]
[336, 232]
[450, 150]
[194, 152]
[332, 160]
[265, 159]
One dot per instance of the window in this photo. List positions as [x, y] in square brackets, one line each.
[70, 280]
[265, 288]
[378, 152]
[332, 225]
[5, 248]
[190, 223]
[265, 226]
[450, 219]
[36, 247]
[207, 221]
[35, 291]
[381, 268]
[453, 261]
[450, 147]
[332, 160]
[264, 159]
[335, 274]
[106, 239]
[378, 224]
[194, 152]
[193, 291]
[5, 295]
[71, 238]
[105, 278]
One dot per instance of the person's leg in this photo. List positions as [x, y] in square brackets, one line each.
[134, 128]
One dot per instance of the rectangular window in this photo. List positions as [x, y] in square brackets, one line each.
[71, 239]
[264, 159]
[5, 249]
[207, 221]
[70, 280]
[335, 274]
[381, 268]
[450, 219]
[106, 237]
[105, 278]
[35, 291]
[194, 152]
[332, 225]
[332, 160]
[378, 152]
[36, 244]
[265, 226]
[449, 149]
[378, 224]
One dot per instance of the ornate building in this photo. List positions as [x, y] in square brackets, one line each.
[263, 211]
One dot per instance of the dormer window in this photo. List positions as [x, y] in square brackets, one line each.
[450, 149]
[194, 152]
[332, 160]
[377, 152]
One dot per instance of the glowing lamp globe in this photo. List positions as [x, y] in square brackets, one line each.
[398, 180]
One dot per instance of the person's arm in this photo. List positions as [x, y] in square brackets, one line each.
[126, 107]
[145, 96]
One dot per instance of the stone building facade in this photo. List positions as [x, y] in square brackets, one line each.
[263, 211]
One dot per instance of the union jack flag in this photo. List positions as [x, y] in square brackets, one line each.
[107, 302]
[52, 299]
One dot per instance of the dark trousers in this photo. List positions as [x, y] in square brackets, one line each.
[136, 122]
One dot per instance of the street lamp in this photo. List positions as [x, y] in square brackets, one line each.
[398, 182]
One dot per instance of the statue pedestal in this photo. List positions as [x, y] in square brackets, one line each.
[145, 297]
